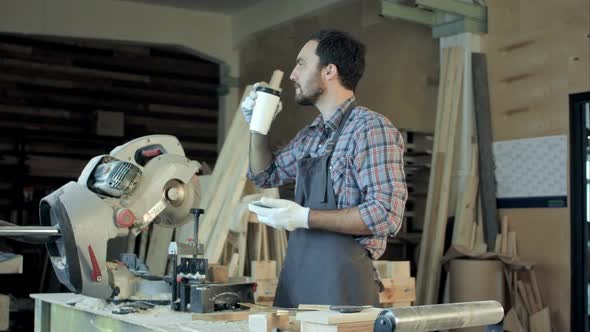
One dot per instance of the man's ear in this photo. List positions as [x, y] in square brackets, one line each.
[330, 72]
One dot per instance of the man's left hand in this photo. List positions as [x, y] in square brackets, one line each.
[281, 214]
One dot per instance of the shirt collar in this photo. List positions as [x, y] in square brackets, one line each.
[334, 121]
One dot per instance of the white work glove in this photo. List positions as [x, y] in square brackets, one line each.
[247, 105]
[281, 213]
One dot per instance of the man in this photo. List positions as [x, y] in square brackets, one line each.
[349, 181]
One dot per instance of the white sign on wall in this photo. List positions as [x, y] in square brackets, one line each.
[532, 168]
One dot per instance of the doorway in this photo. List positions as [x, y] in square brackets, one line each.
[580, 208]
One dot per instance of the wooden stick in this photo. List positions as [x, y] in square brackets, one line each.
[504, 250]
[536, 289]
[525, 297]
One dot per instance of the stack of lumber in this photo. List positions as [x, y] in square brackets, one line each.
[528, 313]
[439, 186]
[399, 287]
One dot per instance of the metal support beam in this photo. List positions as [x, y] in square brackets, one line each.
[468, 10]
[392, 9]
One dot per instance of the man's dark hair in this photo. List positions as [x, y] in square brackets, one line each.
[344, 51]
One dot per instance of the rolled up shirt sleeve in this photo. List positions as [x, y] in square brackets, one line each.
[380, 174]
[281, 170]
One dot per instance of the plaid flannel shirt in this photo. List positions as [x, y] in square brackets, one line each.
[366, 168]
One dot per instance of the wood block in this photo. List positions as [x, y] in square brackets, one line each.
[267, 322]
[4, 312]
[324, 307]
[540, 321]
[345, 327]
[398, 290]
[393, 269]
[333, 317]
[265, 291]
[227, 316]
[512, 323]
[381, 267]
[400, 269]
[217, 273]
[264, 270]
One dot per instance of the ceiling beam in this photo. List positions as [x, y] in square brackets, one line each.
[457, 26]
[445, 17]
[469, 10]
[392, 10]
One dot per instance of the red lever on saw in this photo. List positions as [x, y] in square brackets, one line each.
[96, 275]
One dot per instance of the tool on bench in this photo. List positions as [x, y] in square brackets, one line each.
[147, 180]
[190, 288]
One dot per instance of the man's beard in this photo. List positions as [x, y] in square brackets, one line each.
[310, 98]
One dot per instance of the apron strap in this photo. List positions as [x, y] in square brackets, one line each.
[332, 144]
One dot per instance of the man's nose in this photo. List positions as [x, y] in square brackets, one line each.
[292, 76]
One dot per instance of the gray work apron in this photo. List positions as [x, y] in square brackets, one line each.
[324, 267]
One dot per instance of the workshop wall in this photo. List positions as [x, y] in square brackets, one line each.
[400, 76]
[538, 53]
[208, 34]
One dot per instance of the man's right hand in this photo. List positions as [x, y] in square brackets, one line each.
[247, 105]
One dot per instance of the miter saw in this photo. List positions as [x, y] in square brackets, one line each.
[145, 180]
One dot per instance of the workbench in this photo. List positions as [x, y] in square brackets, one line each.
[73, 312]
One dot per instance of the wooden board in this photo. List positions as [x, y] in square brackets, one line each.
[217, 273]
[263, 270]
[267, 322]
[393, 269]
[265, 291]
[431, 252]
[334, 317]
[227, 316]
[221, 177]
[398, 290]
[467, 205]
[344, 327]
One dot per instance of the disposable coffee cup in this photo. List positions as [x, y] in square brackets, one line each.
[267, 100]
